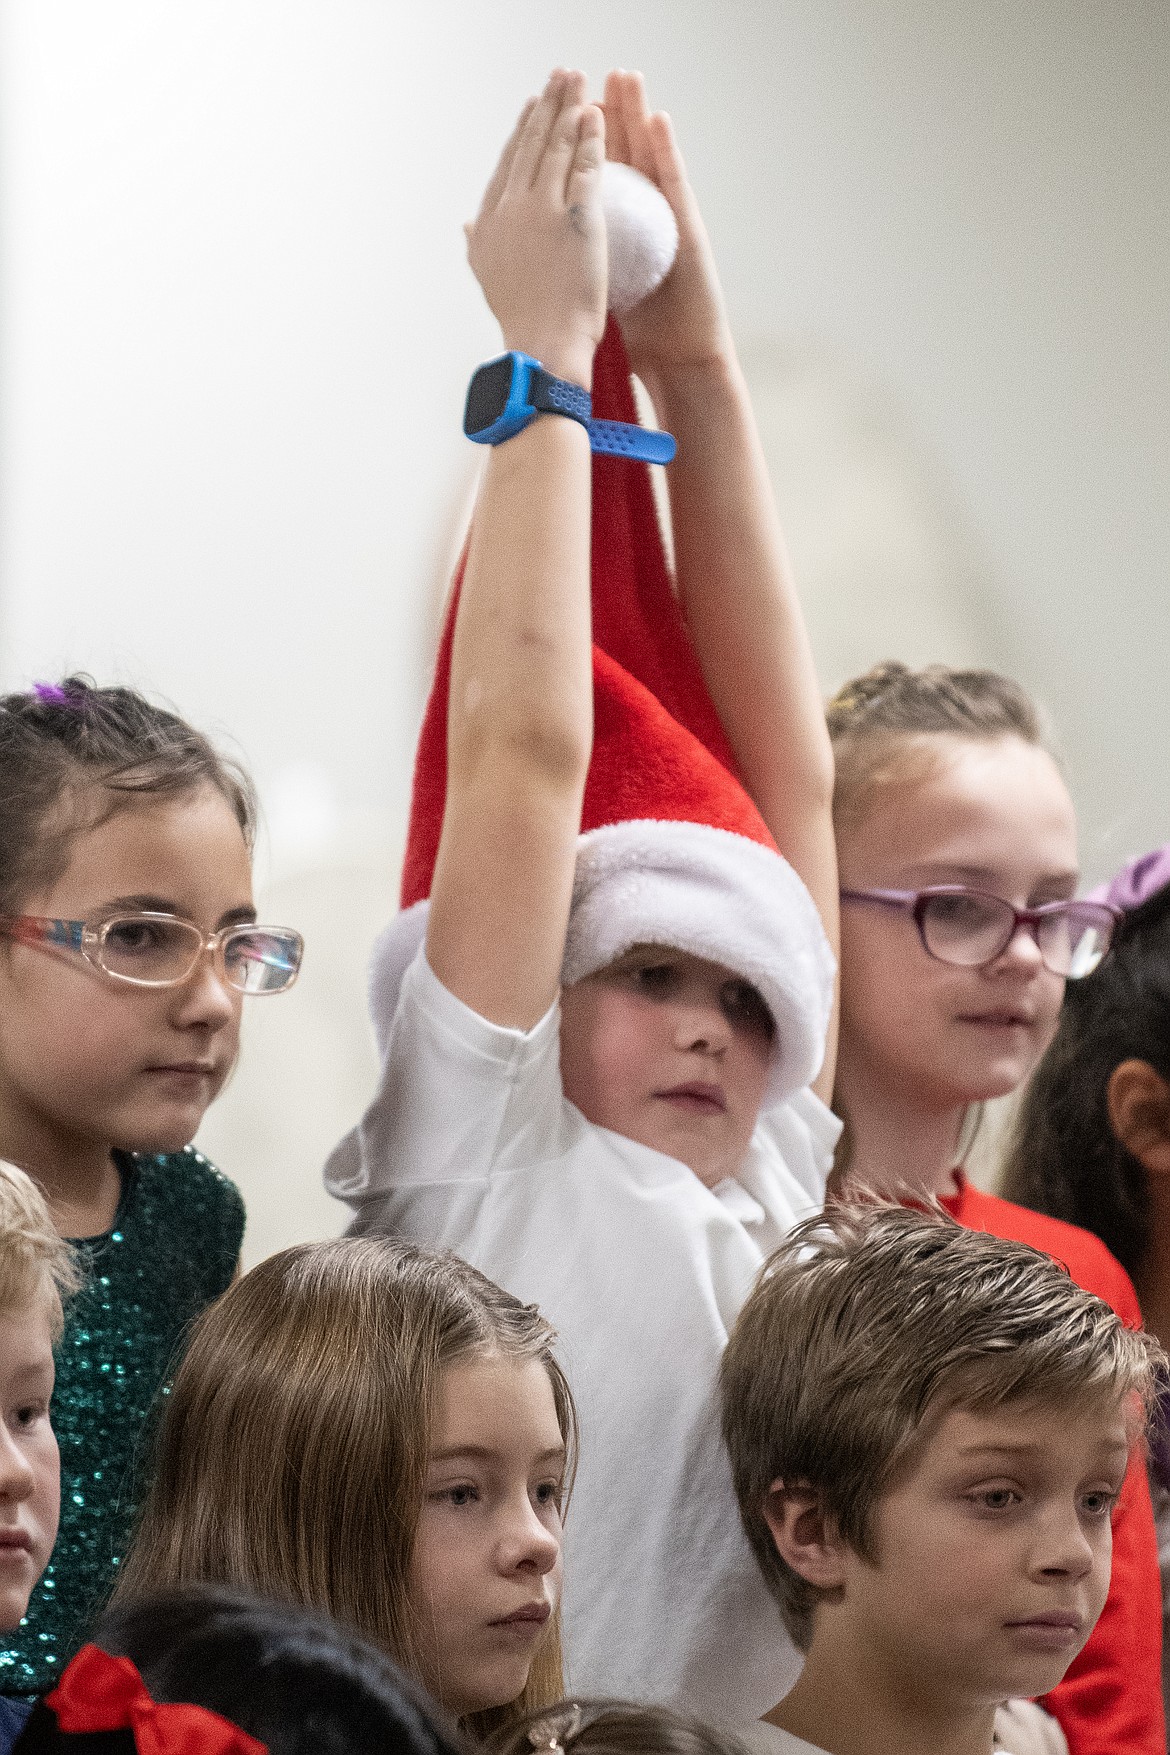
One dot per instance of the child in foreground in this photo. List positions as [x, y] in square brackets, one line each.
[960, 928]
[605, 1000]
[928, 1428]
[376, 1432]
[278, 1678]
[35, 1269]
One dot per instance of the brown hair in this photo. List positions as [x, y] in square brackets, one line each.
[293, 1450]
[33, 1258]
[872, 715]
[868, 1324]
[60, 741]
[612, 1727]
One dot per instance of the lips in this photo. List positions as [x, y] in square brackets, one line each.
[15, 1541]
[531, 1615]
[1053, 1631]
[999, 1020]
[697, 1096]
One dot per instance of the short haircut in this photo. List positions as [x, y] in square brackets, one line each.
[33, 1258]
[871, 1322]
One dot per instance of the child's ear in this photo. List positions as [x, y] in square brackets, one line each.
[804, 1536]
[1138, 1100]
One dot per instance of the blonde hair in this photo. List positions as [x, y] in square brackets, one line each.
[871, 718]
[33, 1258]
[293, 1451]
[870, 1323]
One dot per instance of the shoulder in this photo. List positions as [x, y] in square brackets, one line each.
[182, 1196]
[1085, 1256]
[13, 1718]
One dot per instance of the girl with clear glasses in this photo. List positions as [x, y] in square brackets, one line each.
[957, 848]
[128, 940]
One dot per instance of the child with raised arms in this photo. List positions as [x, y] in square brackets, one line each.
[377, 1432]
[960, 926]
[929, 1428]
[603, 1004]
[128, 940]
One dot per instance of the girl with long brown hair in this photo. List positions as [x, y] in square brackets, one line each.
[376, 1431]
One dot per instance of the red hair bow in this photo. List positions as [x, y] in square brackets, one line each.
[103, 1693]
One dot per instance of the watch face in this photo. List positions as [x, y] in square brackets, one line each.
[487, 395]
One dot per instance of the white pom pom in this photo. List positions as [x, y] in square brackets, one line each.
[641, 231]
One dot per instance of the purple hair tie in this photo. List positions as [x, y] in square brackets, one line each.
[53, 695]
[1136, 882]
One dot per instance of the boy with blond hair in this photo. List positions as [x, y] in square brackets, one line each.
[36, 1269]
[928, 1429]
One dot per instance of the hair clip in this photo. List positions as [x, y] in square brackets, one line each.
[556, 1730]
[106, 1694]
[52, 694]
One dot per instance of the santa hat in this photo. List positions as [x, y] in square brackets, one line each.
[672, 849]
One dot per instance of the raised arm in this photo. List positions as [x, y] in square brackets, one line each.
[521, 700]
[734, 579]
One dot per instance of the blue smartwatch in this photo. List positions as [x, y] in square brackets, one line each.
[507, 393]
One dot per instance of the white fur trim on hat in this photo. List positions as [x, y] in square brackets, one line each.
[703, 890]
[720, 897]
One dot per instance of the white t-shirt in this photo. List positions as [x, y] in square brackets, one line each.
[470, 1144]
[1021, 1728]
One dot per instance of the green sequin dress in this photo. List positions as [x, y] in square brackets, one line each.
[172, 1250]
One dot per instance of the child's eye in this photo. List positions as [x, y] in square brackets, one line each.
[996, 1498]
[744, 1008]
[28, 1416]
[657, 979]
[549, 1492]
[464, 1494]
[1099, 1502]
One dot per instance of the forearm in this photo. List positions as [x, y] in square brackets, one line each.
[737, 593]
[521, 679]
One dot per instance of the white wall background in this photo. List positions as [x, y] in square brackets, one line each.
[237, 326]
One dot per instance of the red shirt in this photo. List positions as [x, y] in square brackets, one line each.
[1110, 1702]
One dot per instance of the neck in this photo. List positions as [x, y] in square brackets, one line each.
[899, 1142]
[848, 1703]
[76, 1175]
[1152, 1276]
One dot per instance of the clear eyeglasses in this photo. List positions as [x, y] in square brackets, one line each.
[159, 950]
[971, 928]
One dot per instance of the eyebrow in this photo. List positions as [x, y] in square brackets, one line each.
[245, 914]
[484, 1453]
[1007, 1449]
[982, 875]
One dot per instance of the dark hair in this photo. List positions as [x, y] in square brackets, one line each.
[1063, 1157]
[58, 741]
[289, 1677]
[612, 1727]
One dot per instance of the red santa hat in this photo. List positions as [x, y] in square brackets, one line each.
[672, 849]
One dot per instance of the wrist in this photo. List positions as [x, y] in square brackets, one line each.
[675, 387]
[568, 358]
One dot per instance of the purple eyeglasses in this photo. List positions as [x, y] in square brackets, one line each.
[971, 928]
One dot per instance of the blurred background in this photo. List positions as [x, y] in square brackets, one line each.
[238, 325]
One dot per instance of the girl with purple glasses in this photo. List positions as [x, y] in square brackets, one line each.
[960, 927]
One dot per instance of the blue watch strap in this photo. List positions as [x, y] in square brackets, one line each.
[618, 438]
[557, 396]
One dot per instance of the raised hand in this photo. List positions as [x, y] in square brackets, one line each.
[537, 246]
[682, 324]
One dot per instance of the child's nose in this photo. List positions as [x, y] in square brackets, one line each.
[1022, 952]
[1064, 1548]
[529, 1544]
[701, 1023]
[206, 997]
[17, 1478]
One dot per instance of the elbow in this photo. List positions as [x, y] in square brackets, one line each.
[518, 748]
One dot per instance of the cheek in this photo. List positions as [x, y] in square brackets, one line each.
[887, 980]
[606, 1051]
